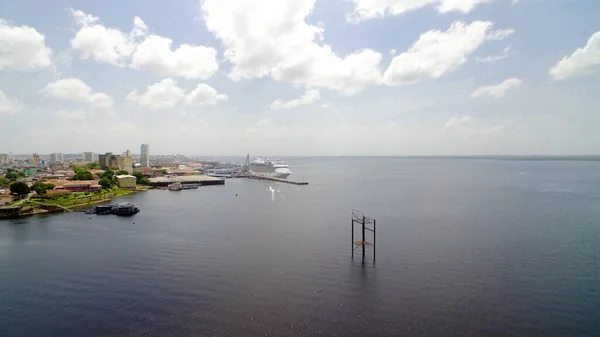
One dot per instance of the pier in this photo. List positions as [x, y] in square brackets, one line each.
[257, 177]
[7, 212]
[192, 179]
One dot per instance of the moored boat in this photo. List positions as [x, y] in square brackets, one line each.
[175, 186]
[125, 209]
[103, 209]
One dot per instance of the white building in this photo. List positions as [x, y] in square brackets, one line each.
[88, 156]
[145, 158]
[3, 159]
[56, 157]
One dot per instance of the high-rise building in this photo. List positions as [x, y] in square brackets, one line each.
[56, 157]
[35, 159]
[104, 159]
[88, 156]
[125, 162]
[109, 160]
[3, 159]
[145, 158]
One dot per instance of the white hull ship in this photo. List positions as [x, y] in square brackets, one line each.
[269, 168]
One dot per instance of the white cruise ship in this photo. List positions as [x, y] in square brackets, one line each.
[269, 168]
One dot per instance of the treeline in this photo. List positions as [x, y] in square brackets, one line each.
[108, 178]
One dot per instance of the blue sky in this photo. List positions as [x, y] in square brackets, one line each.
[301, 77]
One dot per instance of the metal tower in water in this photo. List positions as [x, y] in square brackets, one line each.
[358, 218]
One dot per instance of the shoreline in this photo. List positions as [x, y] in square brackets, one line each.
[58, 208]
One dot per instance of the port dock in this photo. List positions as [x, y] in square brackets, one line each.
[200, 180]
[253, 176]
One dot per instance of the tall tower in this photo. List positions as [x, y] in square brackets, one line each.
[145, 158]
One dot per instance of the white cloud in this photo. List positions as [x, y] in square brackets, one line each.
[388, 127]
[309, 97]
[369, 9]
[140, 50]
[488, 130]
[162, 95]
[77, 115]
[167, 94]
[272, 38]
[455, 122]
[436, 53]
[22, 47]
[9, 106]
[584, 61]
[155, 54]
[204, 94]
[76, 90]
[498, 90]
[392, 52]
[106, 45]
[124, 127]
[492, 58]
[465, 125]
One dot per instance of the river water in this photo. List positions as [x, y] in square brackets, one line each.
[464, 247]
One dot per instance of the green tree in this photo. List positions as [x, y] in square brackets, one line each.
[105, 183]
[19, 188]
[85, 175]
[108, 174]
[141, 179]
[11, 176]
[21, 174]
[164, 171]
[41, 188]
[121, 172]
[92, 166]
[138, 176]
[78, 169]
[4, 181]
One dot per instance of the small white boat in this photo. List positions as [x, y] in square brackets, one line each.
[175, 186]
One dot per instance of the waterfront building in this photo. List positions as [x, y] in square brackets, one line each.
[126, 181]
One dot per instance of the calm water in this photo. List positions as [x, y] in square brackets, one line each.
[465, 247]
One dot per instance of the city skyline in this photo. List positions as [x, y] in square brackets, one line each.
[311, 77]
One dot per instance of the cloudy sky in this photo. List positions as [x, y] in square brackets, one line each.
[301, 77]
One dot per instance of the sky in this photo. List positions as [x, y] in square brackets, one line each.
[301, 77]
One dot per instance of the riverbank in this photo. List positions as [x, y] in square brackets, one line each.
[72, 201]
